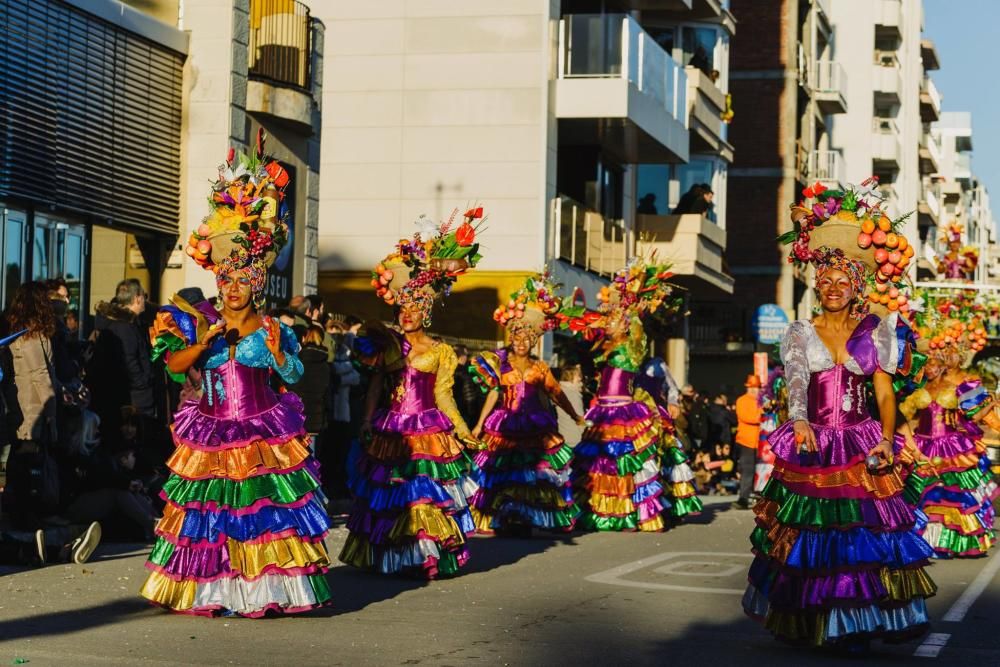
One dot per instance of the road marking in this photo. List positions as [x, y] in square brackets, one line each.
[932, 645]
[972, 592]
[614, 576]
[674, 568]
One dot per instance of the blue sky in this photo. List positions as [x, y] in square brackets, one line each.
[964, 32]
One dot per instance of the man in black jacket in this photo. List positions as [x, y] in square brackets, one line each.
[721, 421]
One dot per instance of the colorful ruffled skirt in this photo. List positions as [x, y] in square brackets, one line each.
[616, 470]
[411, 484]
[836, 559]
[243, 528]
[679, 493]
[525, 474]
[954, 488]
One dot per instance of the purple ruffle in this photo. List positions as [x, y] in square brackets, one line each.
[280, 423]
[837, 445]
[945, 446]
[626, 413]
[509, 424]
[418, 423]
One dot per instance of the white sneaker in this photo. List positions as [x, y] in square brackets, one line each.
[83, 546]
[40, 545]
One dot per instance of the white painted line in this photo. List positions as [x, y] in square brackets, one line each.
[932, 645]
[972, 592]
[614, 576]
[675, 569]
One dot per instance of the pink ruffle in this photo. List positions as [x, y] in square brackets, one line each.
[838, 446]
[279, 424]
[418, 423]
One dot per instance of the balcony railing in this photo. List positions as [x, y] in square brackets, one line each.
[828, 76]
[616, 46]
[826, 167]
[885, 125]
[587, 239]
[927, 86]
[932, 195]
[280, 43]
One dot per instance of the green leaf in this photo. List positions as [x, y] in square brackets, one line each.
[788, 237]
[244, 227]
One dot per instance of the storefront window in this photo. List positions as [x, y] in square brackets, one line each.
[13, 253]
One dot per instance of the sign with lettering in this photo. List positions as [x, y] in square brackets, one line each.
[769, 323]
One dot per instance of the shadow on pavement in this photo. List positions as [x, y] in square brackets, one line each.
[74, 620]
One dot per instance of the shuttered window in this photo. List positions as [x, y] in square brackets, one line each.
[90, 117]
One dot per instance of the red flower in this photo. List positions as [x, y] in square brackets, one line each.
[818, 188]
[807, 192]
[474, 213]
[278, 173]
[465, 235]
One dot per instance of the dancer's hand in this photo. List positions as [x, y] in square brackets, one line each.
[212, 331]
[805, 438]
[273, 339]
[477, 431]
[883, 451]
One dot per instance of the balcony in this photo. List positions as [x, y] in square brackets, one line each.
[951, 192]
[617, 88]
[886, 150]
[888, 16]
[588, 240]
[929, 154]
[890, 198]
[929, 206]
[693, 244]
[928, 54]
[930, 101]
[887, 80]
[280, 52]
[706, 103]
[963, 169]
[828, 81]
[827, 167]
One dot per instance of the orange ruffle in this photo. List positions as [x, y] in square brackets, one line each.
[611, 485]
[882, 485]
[237, 463]
[541, 442]
[611, 432]
[395, 447]
[957, 462]
[781, 537]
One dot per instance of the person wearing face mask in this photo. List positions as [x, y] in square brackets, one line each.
[836, 560]
[410, 475]
[526, 462]
[243, 528]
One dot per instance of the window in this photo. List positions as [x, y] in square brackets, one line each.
[13, 253]
[653, 189]
[699, 48]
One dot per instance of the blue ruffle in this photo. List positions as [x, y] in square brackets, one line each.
[816, 550]
[527, 476]
[875, 620]
[614, 448]
[464, 520]
[538, 518]
[418, 489]
[309, 520]
[939, 495]
[647, 491]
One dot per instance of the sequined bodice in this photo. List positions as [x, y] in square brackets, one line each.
[236, 391]
[414, 391]
[836, 397]
[523, 396]
[616, 385]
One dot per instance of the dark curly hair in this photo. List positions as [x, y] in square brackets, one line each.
[30, 309]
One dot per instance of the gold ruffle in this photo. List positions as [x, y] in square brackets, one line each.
[611, 485]
[289, 552]
[534, 496]
[601, 504]
[967, 524]
[395, 447]
[237, 463]
[483, 521]
[541, 442]
[431, 521]
[644, 429]
[904, 585]
[804, 626]
[682, 489]
[654, 525]
[178, 595]
[881, 486]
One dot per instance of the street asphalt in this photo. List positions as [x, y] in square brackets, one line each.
[602, 599]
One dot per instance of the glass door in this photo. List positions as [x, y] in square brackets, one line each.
[14, 228]
[58, 249]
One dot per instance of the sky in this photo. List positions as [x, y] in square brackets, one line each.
[964, 32]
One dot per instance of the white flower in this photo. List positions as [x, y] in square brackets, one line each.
[917, 305]
[427, 229]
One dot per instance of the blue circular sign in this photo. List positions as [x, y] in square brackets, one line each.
[769, 323]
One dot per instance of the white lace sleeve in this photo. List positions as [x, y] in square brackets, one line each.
[673, 391]
[887, 344]
[794, 355]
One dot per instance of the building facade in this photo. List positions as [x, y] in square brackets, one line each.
[558, 116]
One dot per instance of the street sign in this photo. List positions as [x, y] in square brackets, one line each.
[769, 323]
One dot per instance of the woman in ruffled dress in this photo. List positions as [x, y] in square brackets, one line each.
[525, 462]
[836, 561]
[410, 476]
[243, 528]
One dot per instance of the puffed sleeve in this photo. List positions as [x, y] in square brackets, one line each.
[972, 395]
[378, 348]
[549, 381]
[673, 391]
[443, 396]
[914, 403]
[485, 369]
[291, 370]
[889, 338]
[172, 330]
[795, 358]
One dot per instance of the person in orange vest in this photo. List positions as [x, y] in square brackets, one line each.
[747, 436]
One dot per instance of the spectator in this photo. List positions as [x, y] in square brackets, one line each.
[73, 322]
[696, 417]
[747, 438]
[314, 384]
[647, 204]
[345, 381]
[111, 489]
[721, 421]
[571, 381]
[698, 199]
[310, 310]
[467, 394]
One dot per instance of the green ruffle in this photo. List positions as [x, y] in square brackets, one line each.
[630, 464]
[683, 506]
[967, 480]
[321, 588]
[438, 470]
[673, 456]
[282, 489]
[520, 459]
[796, 510]
[954, 543]
[591, 521]
[447, 564]
[914, 487]
[168, 342]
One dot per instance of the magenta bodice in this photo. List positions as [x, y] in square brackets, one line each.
[414, 392]
[522, 396]
[954, 268]
[836, 398]
[236, 391]
[616, 385]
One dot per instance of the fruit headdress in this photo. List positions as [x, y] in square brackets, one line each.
[424, 268]
[852, 223]
[951, 326]
[532, 309]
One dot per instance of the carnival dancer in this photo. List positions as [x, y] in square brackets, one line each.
[957, 264]
[243, 528]
[655, 381]
[836, 562]
[526, 463]
[951, 483]
[616, 467]
[411, 476]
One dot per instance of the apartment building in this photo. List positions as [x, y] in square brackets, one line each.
[119, 114]
[578, 124]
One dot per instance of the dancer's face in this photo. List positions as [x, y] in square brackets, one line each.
[234, 288]
[410, 317]
[520, 344]
[835, 291]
